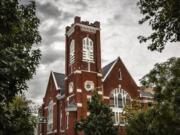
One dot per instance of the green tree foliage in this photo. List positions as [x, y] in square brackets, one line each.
[99, 122]
[21, 121]
[164, 18]
[130, 110]
[164, 117]
[18, 57]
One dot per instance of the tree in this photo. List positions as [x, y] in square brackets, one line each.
[163, 118]
[21, 120]
[19, 56]
[164, 18]
[99, 122]
[130, 110]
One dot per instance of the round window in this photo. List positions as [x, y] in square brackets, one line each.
[89, 85]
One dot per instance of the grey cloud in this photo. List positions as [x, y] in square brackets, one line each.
[50, 56]
[53, 34]
[52, 30]
[66, 16]
[79, 4]
[127, 13]
[50, 10]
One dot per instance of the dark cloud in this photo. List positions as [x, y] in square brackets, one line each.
[66, 16]
[52, 34]
[50, 56]
[49, 10]
[126, 14]
[79, 4]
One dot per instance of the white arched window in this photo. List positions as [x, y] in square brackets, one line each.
[88, 54]
[71, 52]
[50, 116]
[118, 99]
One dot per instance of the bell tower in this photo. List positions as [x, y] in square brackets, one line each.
[83, 46]
[82, 68]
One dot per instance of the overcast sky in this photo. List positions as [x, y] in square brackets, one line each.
[119, 31]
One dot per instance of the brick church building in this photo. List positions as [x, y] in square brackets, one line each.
[66, 96]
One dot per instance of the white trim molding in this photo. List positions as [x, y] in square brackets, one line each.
[79, 90]
[99, 74]
[79, 104]
[109, 70]
[77, 72]
[57, 87]
[59, 96]
[83, 28]
[100, 92]
[106, 97]
[69, 97]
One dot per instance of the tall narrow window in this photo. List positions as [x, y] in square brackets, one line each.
[61, 120]
[50, 117]
[118, 99]
[67, 120]
[71, 52]
[88, 53]
[120, 74]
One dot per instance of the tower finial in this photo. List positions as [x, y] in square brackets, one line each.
[77, 19]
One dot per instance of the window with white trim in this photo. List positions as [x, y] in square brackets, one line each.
[88, 50]
[118, 99]
[71, 52]
[50, 117]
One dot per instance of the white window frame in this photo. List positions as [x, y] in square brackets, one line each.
[116, 109]
[50, 116]
[72, 52]
[88, 50]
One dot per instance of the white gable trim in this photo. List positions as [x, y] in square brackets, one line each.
[109, 70]
[83, 27]
[57, 87]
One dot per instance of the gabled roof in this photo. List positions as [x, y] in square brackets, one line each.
[59, 80]
[107, 69]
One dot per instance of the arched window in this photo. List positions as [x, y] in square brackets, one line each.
[118, 99]
[50, 116]
[88, 54]
[71, 52]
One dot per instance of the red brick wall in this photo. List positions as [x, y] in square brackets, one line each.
[127, 83]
